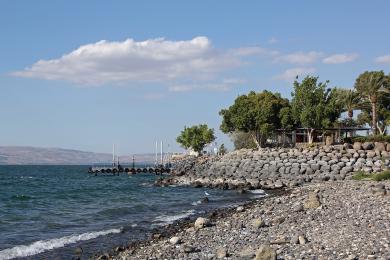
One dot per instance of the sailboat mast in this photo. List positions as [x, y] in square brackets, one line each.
[155, 150]
[162, 160]
[113, 154]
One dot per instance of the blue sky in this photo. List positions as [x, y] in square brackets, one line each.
[87, 74]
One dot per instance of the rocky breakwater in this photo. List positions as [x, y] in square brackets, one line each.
[280, 167]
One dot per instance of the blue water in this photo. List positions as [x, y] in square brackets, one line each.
[49, 211]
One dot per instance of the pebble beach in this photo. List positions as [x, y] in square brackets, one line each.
[329, 220]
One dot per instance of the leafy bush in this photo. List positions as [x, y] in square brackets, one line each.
[385, 175]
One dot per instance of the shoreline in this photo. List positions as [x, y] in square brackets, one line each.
[163, 232]
[312, 173]
[329, 220]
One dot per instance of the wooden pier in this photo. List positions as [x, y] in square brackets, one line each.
[116, 170]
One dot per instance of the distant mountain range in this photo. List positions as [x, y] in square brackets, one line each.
[36, 155]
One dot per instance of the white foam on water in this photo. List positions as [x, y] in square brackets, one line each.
[258, 191]
[169, 219]
[196, 203]
[45, 245]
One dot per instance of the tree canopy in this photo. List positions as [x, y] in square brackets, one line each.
[374, 86]
[256, 113]
[242, 140]
[196, 137]
[314, 105]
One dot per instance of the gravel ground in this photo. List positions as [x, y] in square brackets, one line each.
[329, 220]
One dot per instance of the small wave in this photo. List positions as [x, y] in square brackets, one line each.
[169, 219]
[196, 203]
[21, 197]
[45, 245]
[259, 192]
[147, 184]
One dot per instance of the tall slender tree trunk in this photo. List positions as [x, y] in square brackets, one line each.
[255, 139]
[374, 120]
[310, 135]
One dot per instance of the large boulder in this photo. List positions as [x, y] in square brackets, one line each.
[371, 154]
[368, 146]
[357, 146]
[379, 146]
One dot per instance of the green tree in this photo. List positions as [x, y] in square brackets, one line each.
[286, 119]
[350, 100]
[383, 114]
[242, 140]
[255, 113]
[373, 85]
[313, 105]
[196, 137]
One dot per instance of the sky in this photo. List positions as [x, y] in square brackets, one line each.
[88, 74]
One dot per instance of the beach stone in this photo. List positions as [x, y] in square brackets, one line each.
[174, 240]
[221, 253]
[265, 252]
[278, 220]
[379, 189]
[201, 223]
[187, 249]
[258, 223]
[278, 184]
[302, 239]
[312, 201]
[247, 253]
[388, 147]
[297, 207]
[240, 209]
[294, 240]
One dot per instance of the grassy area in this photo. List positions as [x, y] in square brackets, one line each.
[372, 177]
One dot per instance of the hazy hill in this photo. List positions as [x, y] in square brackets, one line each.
[37, 155]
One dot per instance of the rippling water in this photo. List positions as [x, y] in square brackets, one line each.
[48, 211]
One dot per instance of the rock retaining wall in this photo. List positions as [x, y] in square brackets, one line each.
[280, 167]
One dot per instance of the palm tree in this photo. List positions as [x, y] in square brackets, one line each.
[370, 85]
[350, 101]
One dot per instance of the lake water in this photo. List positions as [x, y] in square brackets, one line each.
[49, 211]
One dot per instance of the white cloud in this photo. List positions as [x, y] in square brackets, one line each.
[252, 51]
[224, 85]
[300, 57]
[272, 40]
[383, 59]
[151, 60]
[290, 74]
[340, 58]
